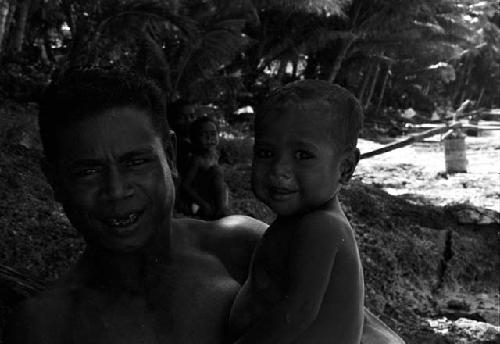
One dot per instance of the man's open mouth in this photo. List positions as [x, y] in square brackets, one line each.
[123, 220]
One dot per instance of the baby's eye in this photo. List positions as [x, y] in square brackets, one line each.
[303, 155]
[263, 153]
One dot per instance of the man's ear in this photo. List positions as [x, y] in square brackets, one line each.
[50, 172]
[348, 165]
[171, 150]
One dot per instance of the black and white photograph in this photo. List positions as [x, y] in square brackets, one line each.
[249, 172]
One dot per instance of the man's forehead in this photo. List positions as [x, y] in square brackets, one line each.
[113, 132]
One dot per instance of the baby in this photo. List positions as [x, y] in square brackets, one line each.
[306, 280]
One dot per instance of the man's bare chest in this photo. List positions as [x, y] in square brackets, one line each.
[189, 304]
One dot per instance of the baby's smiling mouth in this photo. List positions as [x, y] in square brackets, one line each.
[281, 193]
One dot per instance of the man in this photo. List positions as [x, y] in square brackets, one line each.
[144, 276]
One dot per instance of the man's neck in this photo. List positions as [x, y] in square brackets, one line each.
[127, 271]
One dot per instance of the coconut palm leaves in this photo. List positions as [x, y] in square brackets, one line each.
[323, 7]
[178, 44]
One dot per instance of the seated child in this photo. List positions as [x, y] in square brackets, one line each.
[203, 188]
[306, 280]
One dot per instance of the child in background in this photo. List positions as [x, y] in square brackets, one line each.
[305, 283]
[203, 186]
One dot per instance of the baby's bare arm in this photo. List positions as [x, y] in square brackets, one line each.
[312, 257]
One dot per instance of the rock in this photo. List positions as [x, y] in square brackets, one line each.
[469, 214]
[461, 305]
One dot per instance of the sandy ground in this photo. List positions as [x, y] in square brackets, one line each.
[418, 171]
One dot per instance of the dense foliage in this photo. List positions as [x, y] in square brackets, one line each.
[391, 53]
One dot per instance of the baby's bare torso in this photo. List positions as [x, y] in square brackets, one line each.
[269, 279]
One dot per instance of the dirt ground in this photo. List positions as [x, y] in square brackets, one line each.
[417, 173]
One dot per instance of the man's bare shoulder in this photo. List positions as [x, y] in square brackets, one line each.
[227, 228]
[231, 239]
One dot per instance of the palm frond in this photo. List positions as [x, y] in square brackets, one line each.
[215, 49]
[128, 19]
[215, 89]
[323, 7]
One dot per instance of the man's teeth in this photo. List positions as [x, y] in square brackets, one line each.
[123, 221]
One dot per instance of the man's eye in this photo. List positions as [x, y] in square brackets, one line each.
[263, 153]
[136, 162]
[86, 172]
[303, 155]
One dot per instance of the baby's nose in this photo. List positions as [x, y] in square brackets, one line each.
[281, 170]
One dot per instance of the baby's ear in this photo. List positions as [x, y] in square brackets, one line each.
[348, 165]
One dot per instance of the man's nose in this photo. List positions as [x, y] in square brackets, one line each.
[117, 185]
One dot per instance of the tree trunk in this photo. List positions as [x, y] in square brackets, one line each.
[295, 65]
[427, 88]
[340, 58]
[481, 94]
[79, 52]
[311, 67]
[70, 15]
[48, 46]
[281, 70]
[9, 20]
[362, 89]
[20, 29]
[4, 14]
[372, 86]
[382, 91]
[409, 140]
[464, 80]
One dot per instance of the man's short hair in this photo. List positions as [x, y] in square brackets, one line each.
[83, 93]
[339, 104]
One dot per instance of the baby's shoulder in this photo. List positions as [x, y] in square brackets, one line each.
[325, 219]
[323, 225]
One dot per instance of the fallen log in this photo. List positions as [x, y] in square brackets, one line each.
[409, 140]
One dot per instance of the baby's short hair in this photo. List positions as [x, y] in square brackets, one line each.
[342, 107]
[82, 93]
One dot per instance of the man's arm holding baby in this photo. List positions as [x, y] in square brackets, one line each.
[312, 257]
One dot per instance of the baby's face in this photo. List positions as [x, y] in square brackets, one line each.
[296, 166]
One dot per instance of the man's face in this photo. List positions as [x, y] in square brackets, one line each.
[296, 167]
[113, 179]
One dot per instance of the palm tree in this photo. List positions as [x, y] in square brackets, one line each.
[186, 47]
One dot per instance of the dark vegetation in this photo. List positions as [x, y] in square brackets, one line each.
[218, 56]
